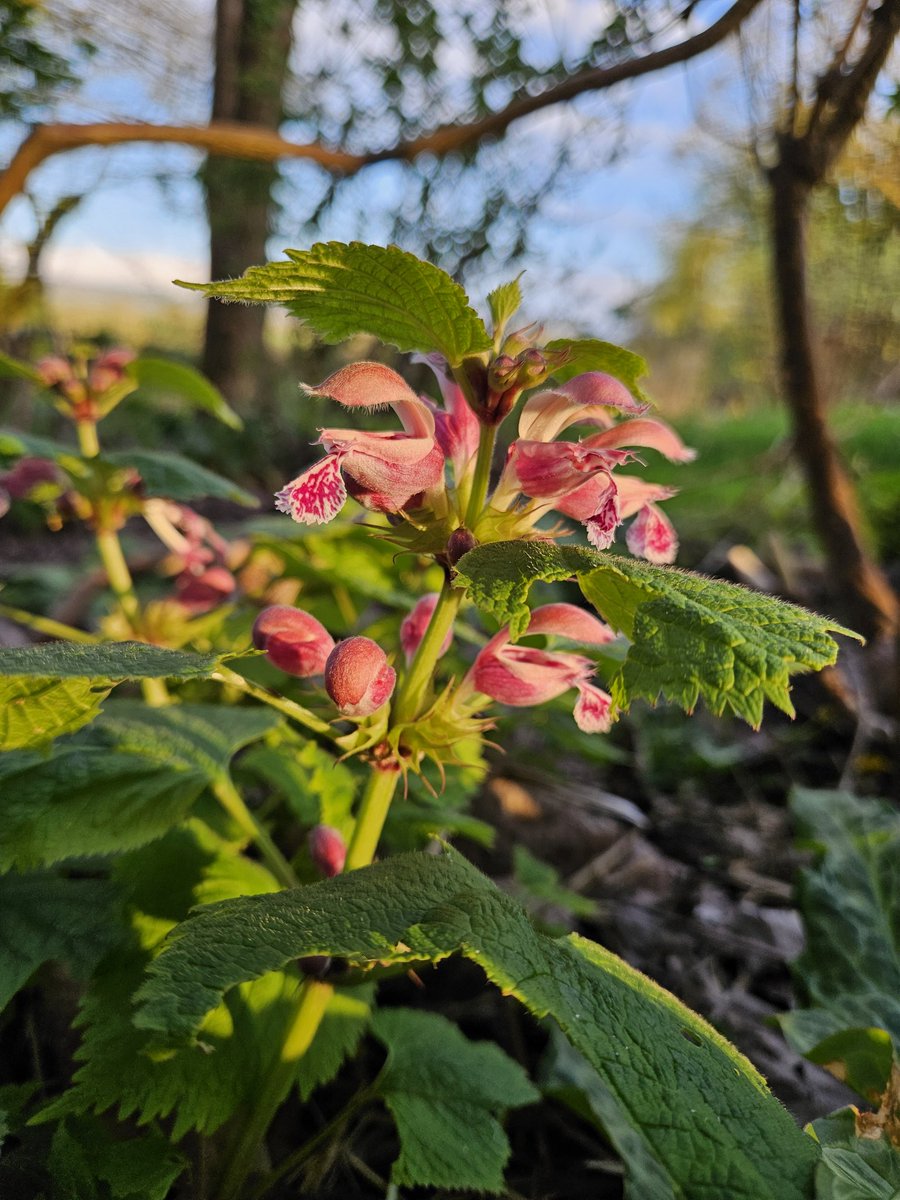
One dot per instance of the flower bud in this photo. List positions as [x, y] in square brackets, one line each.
[205, 591]
[414, 624]
[315, 966]
[460, 542]
[327, 850]
[294, 641]
[358, 678]
[108, 369]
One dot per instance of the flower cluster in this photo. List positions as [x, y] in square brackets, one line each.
[403, 472]
[85, 386]
[433, 474]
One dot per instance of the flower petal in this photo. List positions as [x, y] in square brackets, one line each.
[652, 536]
[634, 493]
[387, 486]
[592, 709]
[585, 399]
[656, 435]
[317, 495]
[373, 385]
[570, 621]
[551, 469]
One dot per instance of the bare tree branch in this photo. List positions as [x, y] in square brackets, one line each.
[253, 142]
[842, 97]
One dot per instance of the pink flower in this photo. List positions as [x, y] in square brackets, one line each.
[294, 641]
[327, 849]
[522, 675]
[577, 478]
[358, 678]
[414, 624]
[456, 427]
[383, 471]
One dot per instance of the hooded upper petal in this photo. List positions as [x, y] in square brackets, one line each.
[373, 385]
[644, 431]
[570, 621]
[585, 399]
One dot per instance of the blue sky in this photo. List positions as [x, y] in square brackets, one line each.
[598, 242]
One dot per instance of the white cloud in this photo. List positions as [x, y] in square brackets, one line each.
[93, 266]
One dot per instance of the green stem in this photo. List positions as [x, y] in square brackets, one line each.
[289, 707]
[232, 801]
[482, 477]
[370, 820]
[409, 700]
[48, 626]
[88, 442]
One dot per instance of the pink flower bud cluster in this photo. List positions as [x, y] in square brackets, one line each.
[82, 384]
[200, 559]
[358, 677]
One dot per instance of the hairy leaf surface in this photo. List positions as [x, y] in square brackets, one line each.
[341, 290]
[691, 637]
[199, 1086]
[700, 1109]
[124, 781]
[106, 661]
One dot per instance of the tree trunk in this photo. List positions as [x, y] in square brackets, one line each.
[252, 44]
[862, 596]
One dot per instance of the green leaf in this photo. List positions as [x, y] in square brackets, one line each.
[162, 375]
[862, 1058]
[197, 1087]
[15, 444]
[850, 902]
[697, 1106]
[568, 1077]
[853, 1167]
[84, 1155]
[49, 919]
[691, 637]
[341, 290]
[445, 1094]
[505, 301]
[176, 478]
[123, 782]
[35, 710]
[13, 368]
[590, 354]
[106, 661]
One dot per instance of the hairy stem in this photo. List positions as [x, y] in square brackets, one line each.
[482, 477]
[289, 707]
[409, 699]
